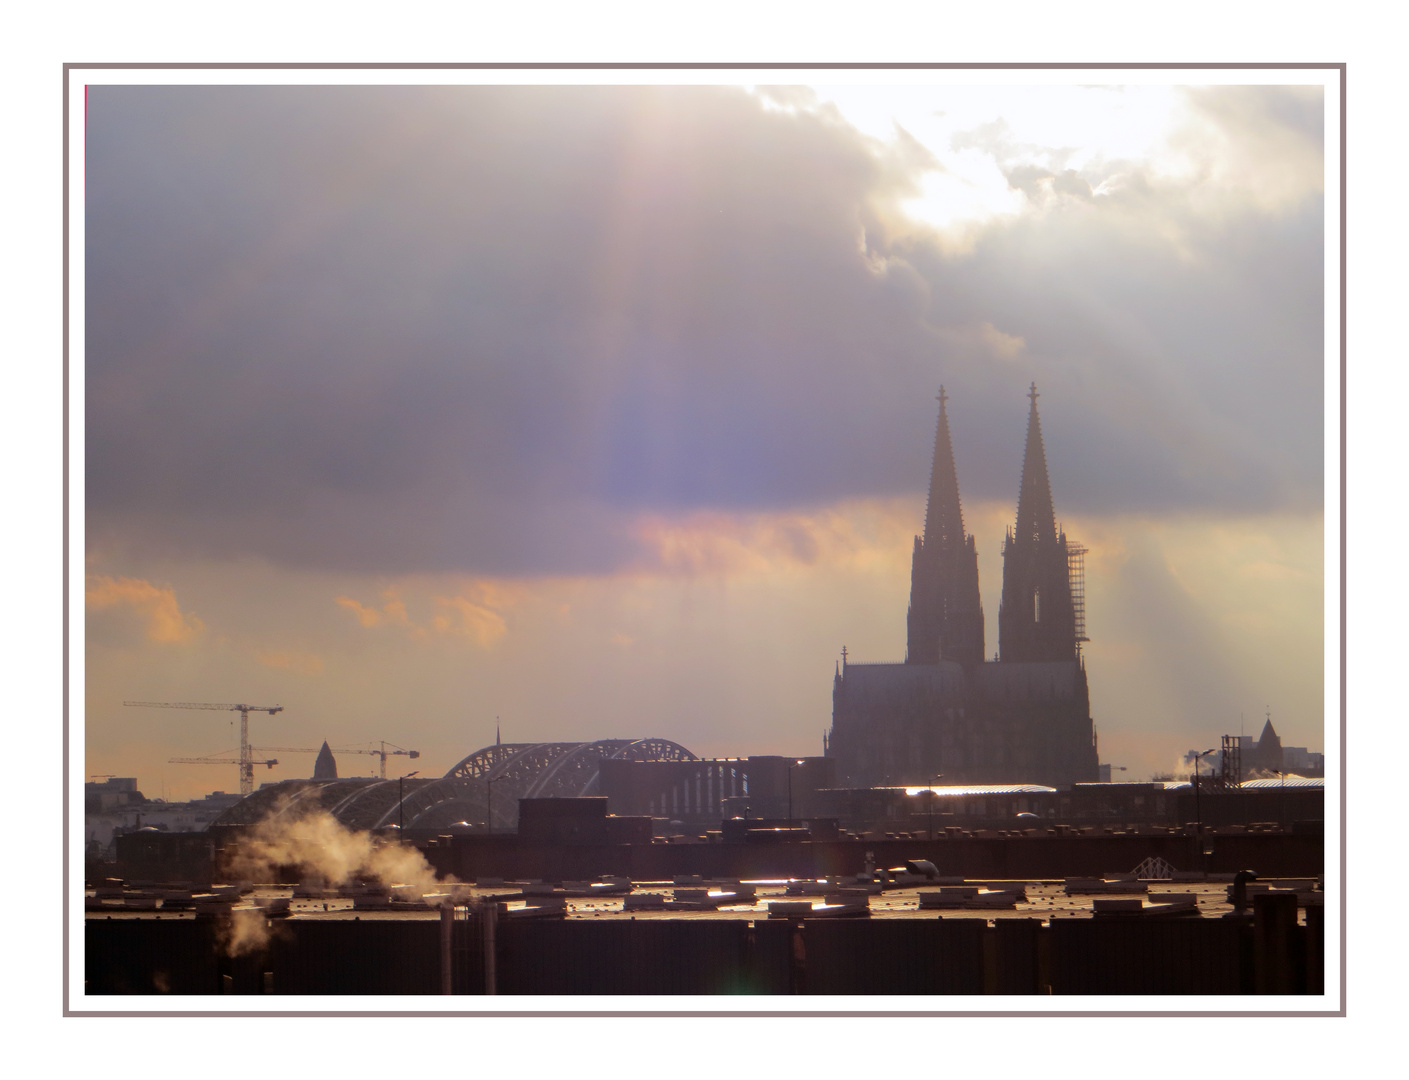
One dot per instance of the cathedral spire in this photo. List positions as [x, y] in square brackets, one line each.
[945, 621]
[1036, 619]
[944, 519]
[1036, 518]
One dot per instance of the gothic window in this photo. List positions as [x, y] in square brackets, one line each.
[1037, 605]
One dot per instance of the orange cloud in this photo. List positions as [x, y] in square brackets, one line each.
[1004, 346]
[300, 663]
[365, 615]
[462, 617]
[859, 536]
[395, 609]
[155, 604]
[471, 617]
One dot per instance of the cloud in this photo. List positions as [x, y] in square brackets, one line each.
[490, 330]
[716, 544]
[367, 616]
[154, 605]
[392, 612]
[468, 615]
[461, 617]
[301, 663]
[1042, 185]
[1265, 141]
[982, 342]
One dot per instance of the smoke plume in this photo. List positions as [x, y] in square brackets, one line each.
[323, 849]
[248, 930]
[325, 853]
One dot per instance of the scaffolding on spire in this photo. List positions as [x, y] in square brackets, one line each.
[1076, 574]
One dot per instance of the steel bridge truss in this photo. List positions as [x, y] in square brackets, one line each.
[498, 775]
[504, 773]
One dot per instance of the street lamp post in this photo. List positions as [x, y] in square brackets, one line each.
[401, 801]
[1111, 770]
[1198, 810]
[937, 776]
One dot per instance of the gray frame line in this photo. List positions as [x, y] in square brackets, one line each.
[793, 65]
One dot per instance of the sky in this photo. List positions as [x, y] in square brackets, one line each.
[607, 411]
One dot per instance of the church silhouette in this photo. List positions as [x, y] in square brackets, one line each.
[1023, 717]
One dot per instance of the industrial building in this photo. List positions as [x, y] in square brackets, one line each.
[965, 891]
[803, 938]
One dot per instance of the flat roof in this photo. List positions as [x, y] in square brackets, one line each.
[1046, 899]
[969, 789]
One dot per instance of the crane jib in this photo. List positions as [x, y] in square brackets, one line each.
[270, 709]
[246, 761]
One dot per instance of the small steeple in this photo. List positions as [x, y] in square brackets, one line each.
[1267, 754]
[1269, 733]
[325, 767]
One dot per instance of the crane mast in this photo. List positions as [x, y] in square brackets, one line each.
[384, 753]
[246, 761]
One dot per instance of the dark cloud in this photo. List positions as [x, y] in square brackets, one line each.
[1174, 376]
[1029, 179]
[404, 328]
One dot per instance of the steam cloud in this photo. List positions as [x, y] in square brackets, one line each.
[247, 931]
[325, 851]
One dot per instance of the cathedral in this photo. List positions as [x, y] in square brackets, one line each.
[1022, 717]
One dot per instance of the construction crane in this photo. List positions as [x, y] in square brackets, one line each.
[383, 753]
[268, 763]
[246, 760]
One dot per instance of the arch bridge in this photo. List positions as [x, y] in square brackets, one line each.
[496, 777]
[503, 773]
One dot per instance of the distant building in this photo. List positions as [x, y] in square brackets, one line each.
[117, 807]
[934, 809]
[1265, 756]
[1023, 717]
[112, 793]
[703, 791]
[1303, 762]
